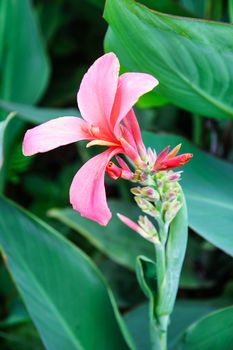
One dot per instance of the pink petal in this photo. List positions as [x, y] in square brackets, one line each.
[130, 223]
[54, 133]
[130, 121]
[130, 87]
[87, 191]
[97, 90]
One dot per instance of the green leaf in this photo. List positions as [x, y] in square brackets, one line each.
[63, 291]
[208, 186]
[185, 313]
[3, 126]
[191, 58]
[151, 99]
[211, 332]
[175, 252]
[24, 65]
[146, 274]
[138, 324]
[116, 240]
[37, 115]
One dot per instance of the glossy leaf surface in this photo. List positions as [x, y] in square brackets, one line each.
[211, 332]
[24, 63]
[115, 240]
[64, 292]
[192, 59]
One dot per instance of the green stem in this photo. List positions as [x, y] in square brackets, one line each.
[158, 335]
[160, 323]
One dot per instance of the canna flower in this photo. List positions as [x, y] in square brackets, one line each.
[105, 101]
[169, 160]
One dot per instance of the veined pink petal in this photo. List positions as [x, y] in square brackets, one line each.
[130, 87]
[87, 191]
[97, 90]
[54, 133]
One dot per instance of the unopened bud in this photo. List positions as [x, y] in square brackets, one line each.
[139, 176]
[115, 172]
[172, 210]
[149, 229]
[136, 191]
[143, 203]
[150, 193]
[174, 176]
[150, 236]
[147, 207]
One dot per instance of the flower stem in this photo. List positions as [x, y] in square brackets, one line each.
[158, 336]
[160, 323]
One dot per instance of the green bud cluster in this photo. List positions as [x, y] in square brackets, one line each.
[170, 195]
[159, 197]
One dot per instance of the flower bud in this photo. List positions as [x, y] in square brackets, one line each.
[147, 207]
[150, 193]
[149, 229]
[141, 229]
[114, 172]
[171, 211]
[136, 191]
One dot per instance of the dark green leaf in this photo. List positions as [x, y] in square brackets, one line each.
[211, 332]
[116, 240]
[64, 292]
[24, 69]
[37, 115]
[191, 58]
[185, 313]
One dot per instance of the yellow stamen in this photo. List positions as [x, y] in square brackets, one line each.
[101, 143]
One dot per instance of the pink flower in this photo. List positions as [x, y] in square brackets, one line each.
[105, 100]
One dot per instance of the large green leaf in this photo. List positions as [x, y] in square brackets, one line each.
[116, 240]
[208, 186]
[65, 294]
[37, 115]
[191, 58]
[185, 313]
[24, 69]
[211, 332]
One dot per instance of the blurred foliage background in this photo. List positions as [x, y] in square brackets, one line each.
[45, 48]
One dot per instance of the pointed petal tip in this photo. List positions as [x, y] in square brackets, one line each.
[101, 221]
